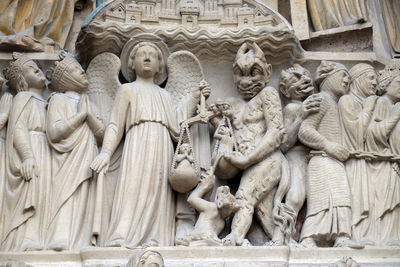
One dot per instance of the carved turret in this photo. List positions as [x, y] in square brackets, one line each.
[133, 13]
[245, 16]
[148, 9]
[190, 12]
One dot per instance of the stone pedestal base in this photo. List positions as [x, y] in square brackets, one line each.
[213, 257]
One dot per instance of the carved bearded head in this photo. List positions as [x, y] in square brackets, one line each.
[251, 71]
[296, 83]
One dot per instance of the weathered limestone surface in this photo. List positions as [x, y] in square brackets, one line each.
[199, 133]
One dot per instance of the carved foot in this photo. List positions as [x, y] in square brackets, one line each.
[115, 243]
[392, 243]
[230, 240]
[56, 247]
[246, 243]
[152, 243]
[274, 243]
[182, 241]
[344, 241]
[31, 246]
[308, 243]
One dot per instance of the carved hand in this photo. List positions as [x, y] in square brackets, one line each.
[204, 88]
[370, 102]
[238, 160]
[101, 163]
[208, 180]
[396, 110]
[83, 105]
[29, 169]
[337, 151]
[5, 104]
[311, 105]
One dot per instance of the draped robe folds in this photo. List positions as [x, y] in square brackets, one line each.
[39, 19]
[328, 192]
[2, 177]
[73, 195]
[390, 15]
[327, 14]
[354, 122]
[26, 203]
[143, 209]
[383, 137]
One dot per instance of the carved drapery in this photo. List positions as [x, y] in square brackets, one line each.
[390, 14]
[336, 13]
[43, 20]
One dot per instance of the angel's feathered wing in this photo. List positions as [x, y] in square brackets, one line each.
[184, 75]
[103, 80]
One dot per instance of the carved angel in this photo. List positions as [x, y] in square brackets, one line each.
[143, 208]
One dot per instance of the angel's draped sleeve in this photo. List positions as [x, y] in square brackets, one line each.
[116, 126]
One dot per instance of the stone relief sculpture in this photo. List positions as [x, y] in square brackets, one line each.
[72, 130]
[35, 25]
[28, 159]
[258, 128]
[390, 11]
[5, 107]
[382, 140]
[297, 87]
[212, 215]
[355, 111]
[328, 192]
[332, 14]
[142, 108]
[148, 258]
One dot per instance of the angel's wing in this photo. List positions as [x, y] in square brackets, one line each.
[103, 80]
[184, 74]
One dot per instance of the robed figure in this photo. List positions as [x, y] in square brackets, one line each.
[355, 111]
[143, 210]
[72, 130]
[28, 159]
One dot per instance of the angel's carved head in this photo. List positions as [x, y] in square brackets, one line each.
[146, 60]
[250, 70]
[296, 83]
[67, 75]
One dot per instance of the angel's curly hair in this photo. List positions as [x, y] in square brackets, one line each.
[141, 44]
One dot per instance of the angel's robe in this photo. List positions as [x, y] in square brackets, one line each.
[72, 192]
[383, 136]
[354, 123]
[26, 202]
[143, 210]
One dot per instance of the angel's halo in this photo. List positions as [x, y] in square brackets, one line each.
[130, 76]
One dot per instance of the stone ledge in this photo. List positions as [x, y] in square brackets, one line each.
[338, 30]
[213, 256]
[339, 56]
